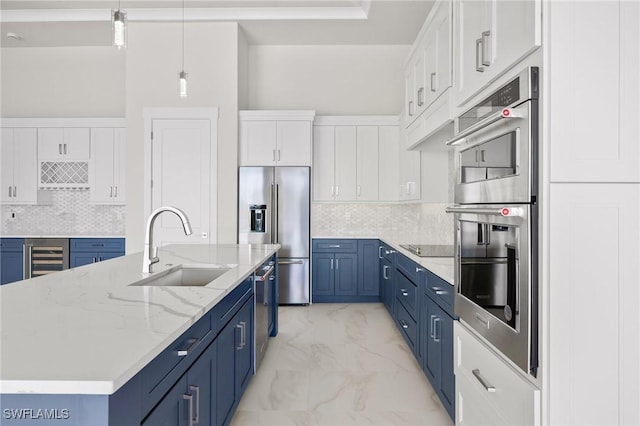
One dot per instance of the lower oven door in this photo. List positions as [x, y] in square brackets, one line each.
[495, 280]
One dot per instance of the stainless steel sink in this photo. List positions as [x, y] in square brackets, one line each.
[185, 276]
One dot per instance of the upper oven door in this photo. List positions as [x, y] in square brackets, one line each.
[494, 164]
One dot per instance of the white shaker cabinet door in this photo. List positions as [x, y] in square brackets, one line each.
[107, 167]
[294, 143]
[367, 168]
[258, 143]
[64, 144]
[596, 137]
[389, 152]
[345, 163]
[19, 162]
[594, 344]
[323, 163]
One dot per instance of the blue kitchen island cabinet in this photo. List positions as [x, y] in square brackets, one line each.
[11, 260]
[338, 274]
[84, 251]
[198, 379]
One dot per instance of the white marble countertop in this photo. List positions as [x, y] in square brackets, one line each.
[441, 266]
[60, 236]
[88, 331]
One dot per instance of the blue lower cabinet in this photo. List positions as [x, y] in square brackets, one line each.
[345, 271]
[437, 348]
[84, 251]
[234, 364]
[368, 267]
[11, 260]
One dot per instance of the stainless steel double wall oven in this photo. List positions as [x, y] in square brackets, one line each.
[496, 218]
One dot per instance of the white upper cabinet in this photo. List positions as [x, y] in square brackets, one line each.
[19, 164]
[492, 36]
[275, 138]
[367, 163]
[355, 159]
[428, 78]
[63, 144]
[107, 166]
[595, 138]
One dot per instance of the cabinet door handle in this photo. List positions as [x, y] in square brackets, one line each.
[404, 324]
[485, 60]
[196, 416]
[189, 399]
[115, 191]
[380, 252]
[278, 155]
[432, 330]
[337, 263]
[15, 191]
[65, 149]
[111, 191]
[9, 192]
[478, 55]
[420, 93]
[239, 328]
[385, 268]
[359, 190]
[418, 270]
[434, 87]
[410, 108]
[483, 381]
[404, 292]
[334, 245]
[337, 191]
[243, 334]
[273, 155]
[331, 263]
[436, 335]
[60, 148]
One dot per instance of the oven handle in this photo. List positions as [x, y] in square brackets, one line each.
[502, 114]
[498, 211]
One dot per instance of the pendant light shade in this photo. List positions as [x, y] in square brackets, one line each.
[183, 84]
[119, 24]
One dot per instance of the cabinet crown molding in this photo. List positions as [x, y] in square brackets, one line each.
[64, 122]
[283, 115]
[356, 120]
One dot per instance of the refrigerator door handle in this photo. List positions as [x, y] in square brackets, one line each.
[276, 207]
[272, 197]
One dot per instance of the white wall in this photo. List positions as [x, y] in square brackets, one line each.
[154, 56]
[243, 70]
[63, 82]
[333, 80]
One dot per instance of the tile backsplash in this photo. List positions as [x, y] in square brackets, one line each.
[66, 213]
[417, 223]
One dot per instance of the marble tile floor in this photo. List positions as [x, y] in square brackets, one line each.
[339, 365]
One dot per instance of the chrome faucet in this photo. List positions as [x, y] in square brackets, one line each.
[150, 255]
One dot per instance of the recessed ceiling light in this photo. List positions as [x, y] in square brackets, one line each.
[13, 36]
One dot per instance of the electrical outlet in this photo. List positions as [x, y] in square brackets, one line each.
[12, 215]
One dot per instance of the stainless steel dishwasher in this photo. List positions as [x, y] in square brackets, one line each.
[264, 279]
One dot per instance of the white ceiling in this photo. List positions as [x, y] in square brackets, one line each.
[87, 23]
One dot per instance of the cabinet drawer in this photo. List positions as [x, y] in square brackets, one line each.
[11, 244]
[165, 369]
[439, 290]
[97, 244]
[408, 267]
[513, 398]
[222, 313]
[408, 326]
[386, 252]
[335, 246]
[407, 293]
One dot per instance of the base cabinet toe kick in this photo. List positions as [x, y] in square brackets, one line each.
[197, 380]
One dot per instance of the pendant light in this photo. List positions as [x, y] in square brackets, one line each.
[183, 75]
[119, 27]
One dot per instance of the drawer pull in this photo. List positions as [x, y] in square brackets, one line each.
[334, 245]
[188, 346]
[404, 292]
[483, 381]
[418, 270]
[196, 417]
[404, 324]
[380, 252]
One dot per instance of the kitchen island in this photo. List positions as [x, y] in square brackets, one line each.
[80, 343]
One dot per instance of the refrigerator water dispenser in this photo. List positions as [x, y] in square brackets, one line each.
[258, 217]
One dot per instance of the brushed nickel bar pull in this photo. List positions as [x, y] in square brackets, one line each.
[478, 55]
[196, 389]
[434, 87]
[189, 398]
[483, 381]
[485, 35]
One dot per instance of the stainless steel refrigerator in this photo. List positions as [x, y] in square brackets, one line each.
[273, 207]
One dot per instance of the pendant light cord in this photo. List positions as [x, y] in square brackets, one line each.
[182, 35]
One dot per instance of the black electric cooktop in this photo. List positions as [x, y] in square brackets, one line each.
[429, 250]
